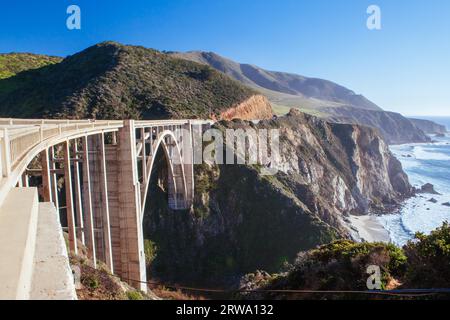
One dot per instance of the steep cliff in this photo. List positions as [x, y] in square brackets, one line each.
[256, 107]
[243, 221]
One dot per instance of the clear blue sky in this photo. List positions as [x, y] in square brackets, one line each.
[405, 67]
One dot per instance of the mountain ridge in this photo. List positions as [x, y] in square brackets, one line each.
[319, 97]
[115, 81]
[326, 91]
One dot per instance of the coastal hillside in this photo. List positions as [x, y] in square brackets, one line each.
[244, 221]
[318, 91]
[14, 63]
[395, 128]
[113, 81]
[428, 126]
[319, 97]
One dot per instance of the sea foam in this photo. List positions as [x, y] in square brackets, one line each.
[424, 163]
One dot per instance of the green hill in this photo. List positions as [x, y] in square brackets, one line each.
[13, 63]
[110, 80]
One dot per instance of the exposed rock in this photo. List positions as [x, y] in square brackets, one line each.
[447, 204]
[433, 200]
[427, 188]
[255, 107]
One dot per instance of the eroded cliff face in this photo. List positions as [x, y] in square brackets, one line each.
[255, 107]
[243, 221]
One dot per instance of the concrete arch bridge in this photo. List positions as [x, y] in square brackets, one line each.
[94, 175]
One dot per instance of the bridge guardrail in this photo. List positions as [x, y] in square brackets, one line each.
[19, 136]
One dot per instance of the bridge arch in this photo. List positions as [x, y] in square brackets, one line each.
[177, 186]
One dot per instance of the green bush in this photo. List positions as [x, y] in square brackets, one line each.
[134, 295]
[347, 251]
[340, 265]
[429, 259]
[150, 250]
[91, 282]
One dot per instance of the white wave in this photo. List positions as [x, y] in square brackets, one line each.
[424, 163]
[423, 153]
[417, 215]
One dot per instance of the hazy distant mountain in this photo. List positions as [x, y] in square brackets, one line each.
[319, 97]
[285, 89]
[429, 126]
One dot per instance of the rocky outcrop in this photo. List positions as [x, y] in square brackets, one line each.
[429, 127]
[427, 188]
[243, 221]
[349, 167]
[256, 107]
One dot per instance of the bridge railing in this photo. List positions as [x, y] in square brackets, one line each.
[18, 136]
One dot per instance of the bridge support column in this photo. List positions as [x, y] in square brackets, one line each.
[46, 177]
[98, 171]
[87, 205]
[130, 216]
[77, 194]
[69, 199]
[188, 162]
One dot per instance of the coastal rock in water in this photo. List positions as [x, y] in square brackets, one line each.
[428, 188]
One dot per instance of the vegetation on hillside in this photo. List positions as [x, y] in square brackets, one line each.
[424, 263]
[240, 221]
[429, 259]
[13, 63]
[113, 81]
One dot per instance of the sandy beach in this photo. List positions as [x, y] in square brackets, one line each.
[368, 228]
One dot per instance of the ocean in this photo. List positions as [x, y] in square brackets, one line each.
[424, 163]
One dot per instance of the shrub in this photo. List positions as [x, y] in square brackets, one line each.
[91, 282]
[429, 259]
[340, 265]
[150, 249]
[134, 295]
